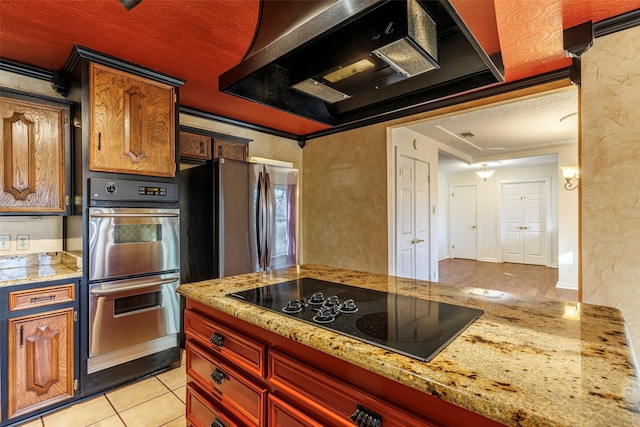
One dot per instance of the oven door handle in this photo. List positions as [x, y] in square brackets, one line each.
[131, 287]
[134, 215]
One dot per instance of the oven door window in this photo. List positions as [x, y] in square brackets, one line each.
[137, 233]
[136, 303]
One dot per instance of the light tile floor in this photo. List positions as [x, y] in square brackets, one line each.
[156, 401]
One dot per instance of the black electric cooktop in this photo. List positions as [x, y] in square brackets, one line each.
[415, 327]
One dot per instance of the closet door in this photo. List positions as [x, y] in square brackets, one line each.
[412, 218]
[524, 223]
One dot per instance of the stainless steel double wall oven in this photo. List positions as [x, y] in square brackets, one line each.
[133, 262]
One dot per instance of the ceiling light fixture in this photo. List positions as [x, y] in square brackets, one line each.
[485, 173]
[570, 173]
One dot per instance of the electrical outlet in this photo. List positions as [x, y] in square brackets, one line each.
[5, 242]
[22, 242]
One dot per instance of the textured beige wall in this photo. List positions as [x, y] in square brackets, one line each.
[610, 155]
[345, 207]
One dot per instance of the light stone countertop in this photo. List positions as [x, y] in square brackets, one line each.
[525, 362]
[41, 267]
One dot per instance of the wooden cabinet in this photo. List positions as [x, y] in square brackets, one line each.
[40, 360]
[132, 123]
[201, 413]
[242, 398]
[227, 377]
[40, 324]
[229, 150]
[34, 154]
[194, 146]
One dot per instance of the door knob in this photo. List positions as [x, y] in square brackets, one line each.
[419, 240]
[472, 227]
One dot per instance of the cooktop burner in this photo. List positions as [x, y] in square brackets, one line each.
[415, 327]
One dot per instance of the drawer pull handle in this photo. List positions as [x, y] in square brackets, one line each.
[217, 376]
[41, 299]
[217, 423]
[364, 417]
[217, 339]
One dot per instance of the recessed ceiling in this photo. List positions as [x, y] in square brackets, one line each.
[504, 130]
[197, 40]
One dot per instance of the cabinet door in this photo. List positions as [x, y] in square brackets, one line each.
[229, 150]
[40, 360]
[132, 124]
[194, 146]
[32, 155]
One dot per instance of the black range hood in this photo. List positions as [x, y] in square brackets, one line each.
[343, 61]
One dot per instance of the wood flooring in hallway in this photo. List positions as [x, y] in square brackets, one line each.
[531, 280]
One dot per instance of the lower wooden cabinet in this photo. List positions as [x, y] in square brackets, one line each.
[244, 399]
[257, 382]
[202, 413]
[39, 334]
[40, 360]
[281, 414]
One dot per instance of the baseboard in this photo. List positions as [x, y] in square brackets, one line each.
[564, 285]
[494, 260]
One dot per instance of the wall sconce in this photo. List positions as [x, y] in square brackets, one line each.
[570, 173]
[485, 173]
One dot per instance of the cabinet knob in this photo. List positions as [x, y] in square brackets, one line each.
[217, 339]
[217, 376]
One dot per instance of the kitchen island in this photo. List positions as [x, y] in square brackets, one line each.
[524, 362]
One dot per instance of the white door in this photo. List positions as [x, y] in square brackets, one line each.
[524, 207]
[464, 220]
[412, 218]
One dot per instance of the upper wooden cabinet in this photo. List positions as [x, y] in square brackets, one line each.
[194, 146]
[34, 147]
[132, 123]
[229, 150]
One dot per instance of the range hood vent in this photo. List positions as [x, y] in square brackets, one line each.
[347, 60]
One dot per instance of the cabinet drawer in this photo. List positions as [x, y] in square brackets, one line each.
[226, 386]
[201, 413]
[32, 298]
[328, 398]
[281, 414]
[227, 344]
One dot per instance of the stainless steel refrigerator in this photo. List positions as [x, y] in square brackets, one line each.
[237, 217]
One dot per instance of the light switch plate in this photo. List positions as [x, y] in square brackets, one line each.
[5, 242]
[22, 242]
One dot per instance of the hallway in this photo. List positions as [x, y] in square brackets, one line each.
[523, 279]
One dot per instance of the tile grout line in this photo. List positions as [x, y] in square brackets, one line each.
[114, 410]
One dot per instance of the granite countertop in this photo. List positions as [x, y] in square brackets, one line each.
[32, 268]
[525, 362]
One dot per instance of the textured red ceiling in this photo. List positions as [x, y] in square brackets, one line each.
[530, 31]
[197, 40]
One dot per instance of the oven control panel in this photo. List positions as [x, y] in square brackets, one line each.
[124, 190]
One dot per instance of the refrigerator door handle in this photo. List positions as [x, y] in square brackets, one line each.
[261, 221]
[270, 220]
